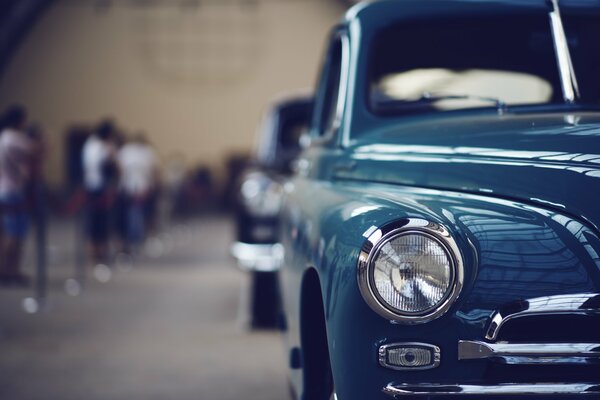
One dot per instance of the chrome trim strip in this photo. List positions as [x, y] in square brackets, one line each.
[435, 352]
[563, 56]
[398, 391]
[258, 257]
[531, 353]
[569, 304]
[377, 237]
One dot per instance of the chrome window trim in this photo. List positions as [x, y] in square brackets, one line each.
[508, 389]
[570, 304]
[435, 351]
[329, 134]
[531, 353]
[377, 237]
[563, 55]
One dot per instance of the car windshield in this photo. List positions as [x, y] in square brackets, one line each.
[488, 61]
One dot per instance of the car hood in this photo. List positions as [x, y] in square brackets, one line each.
[546, 159]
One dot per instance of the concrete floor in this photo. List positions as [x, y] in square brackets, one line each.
[170, 328]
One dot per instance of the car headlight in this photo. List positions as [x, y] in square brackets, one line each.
[410, 272]
[260, 194]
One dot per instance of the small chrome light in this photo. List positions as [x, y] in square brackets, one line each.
[410, 272]
[409, 356]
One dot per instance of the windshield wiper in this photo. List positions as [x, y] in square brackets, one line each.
[428, 99]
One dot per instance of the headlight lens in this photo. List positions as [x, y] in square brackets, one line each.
[412, 273]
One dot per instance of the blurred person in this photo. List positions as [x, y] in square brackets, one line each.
[36, 187]
[99, 169]
[138, 186]
[199, 189]
[16, 167]
[174, 181]
[36, 134]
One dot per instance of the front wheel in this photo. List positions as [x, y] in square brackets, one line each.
[318, 376]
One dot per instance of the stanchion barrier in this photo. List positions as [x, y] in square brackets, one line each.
[75, 207]
[75, 285]
[40, 296]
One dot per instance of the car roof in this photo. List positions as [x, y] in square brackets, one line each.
[381, 12]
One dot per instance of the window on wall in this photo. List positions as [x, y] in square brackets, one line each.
[190, 42]
[216, 43]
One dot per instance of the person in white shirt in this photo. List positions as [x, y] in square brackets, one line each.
[138, 167]
[16, 164]
[98, 159]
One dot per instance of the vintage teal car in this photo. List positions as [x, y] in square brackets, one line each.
[441, 234]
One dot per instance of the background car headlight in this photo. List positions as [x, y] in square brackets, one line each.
[260, 194]
[410, 274]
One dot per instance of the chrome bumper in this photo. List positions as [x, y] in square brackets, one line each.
[258, 257]
[513, 389]
[537, 354]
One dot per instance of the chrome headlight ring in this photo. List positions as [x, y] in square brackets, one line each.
[435, 234]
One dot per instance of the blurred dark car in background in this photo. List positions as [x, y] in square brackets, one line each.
[259, 198]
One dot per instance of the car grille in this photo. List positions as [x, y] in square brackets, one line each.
[561, 328]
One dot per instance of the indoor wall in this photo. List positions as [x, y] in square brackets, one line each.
[195, 76]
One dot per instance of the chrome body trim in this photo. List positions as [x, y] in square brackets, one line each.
[258, 257]
[377, 237]
[435, 352]
[570, 304]
[531, 353]
[509, 389]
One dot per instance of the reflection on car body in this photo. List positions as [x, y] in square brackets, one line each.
[440, 238]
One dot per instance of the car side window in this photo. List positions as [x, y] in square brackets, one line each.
[330, 92]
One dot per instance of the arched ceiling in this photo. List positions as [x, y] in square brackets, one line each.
[16, 18]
